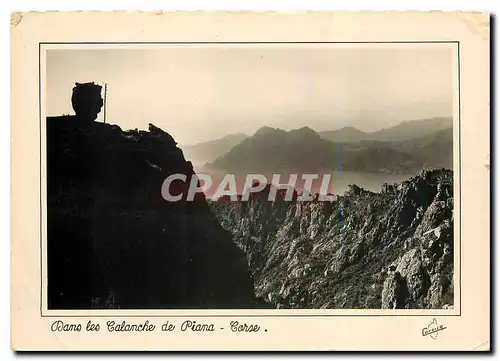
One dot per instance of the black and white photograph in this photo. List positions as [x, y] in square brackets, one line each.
[251, 176]
[219, 181]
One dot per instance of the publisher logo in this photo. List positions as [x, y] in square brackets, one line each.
[433, 329]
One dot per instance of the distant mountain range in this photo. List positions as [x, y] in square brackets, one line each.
[304, 150]
[435, 149]
[403, 131]
[208, 151]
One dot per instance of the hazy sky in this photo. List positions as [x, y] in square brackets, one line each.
[198, 93]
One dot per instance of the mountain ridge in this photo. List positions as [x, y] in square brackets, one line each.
[405, 130]
[348, 134]
[210, 150]
[276, 150]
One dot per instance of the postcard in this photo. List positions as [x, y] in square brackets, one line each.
[250, 181]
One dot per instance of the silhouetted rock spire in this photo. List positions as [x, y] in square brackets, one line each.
[87, 101]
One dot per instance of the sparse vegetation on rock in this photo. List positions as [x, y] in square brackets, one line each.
[392, 249]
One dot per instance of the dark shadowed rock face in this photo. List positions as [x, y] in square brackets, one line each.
[392, 249]
[113, 241]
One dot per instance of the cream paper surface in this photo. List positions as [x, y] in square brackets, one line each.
[467, 325]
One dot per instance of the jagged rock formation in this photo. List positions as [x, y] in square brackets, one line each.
[86, 101]
[113, 241]
[392, 249]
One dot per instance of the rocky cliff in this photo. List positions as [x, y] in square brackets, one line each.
[113, 241]
[392, 249]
